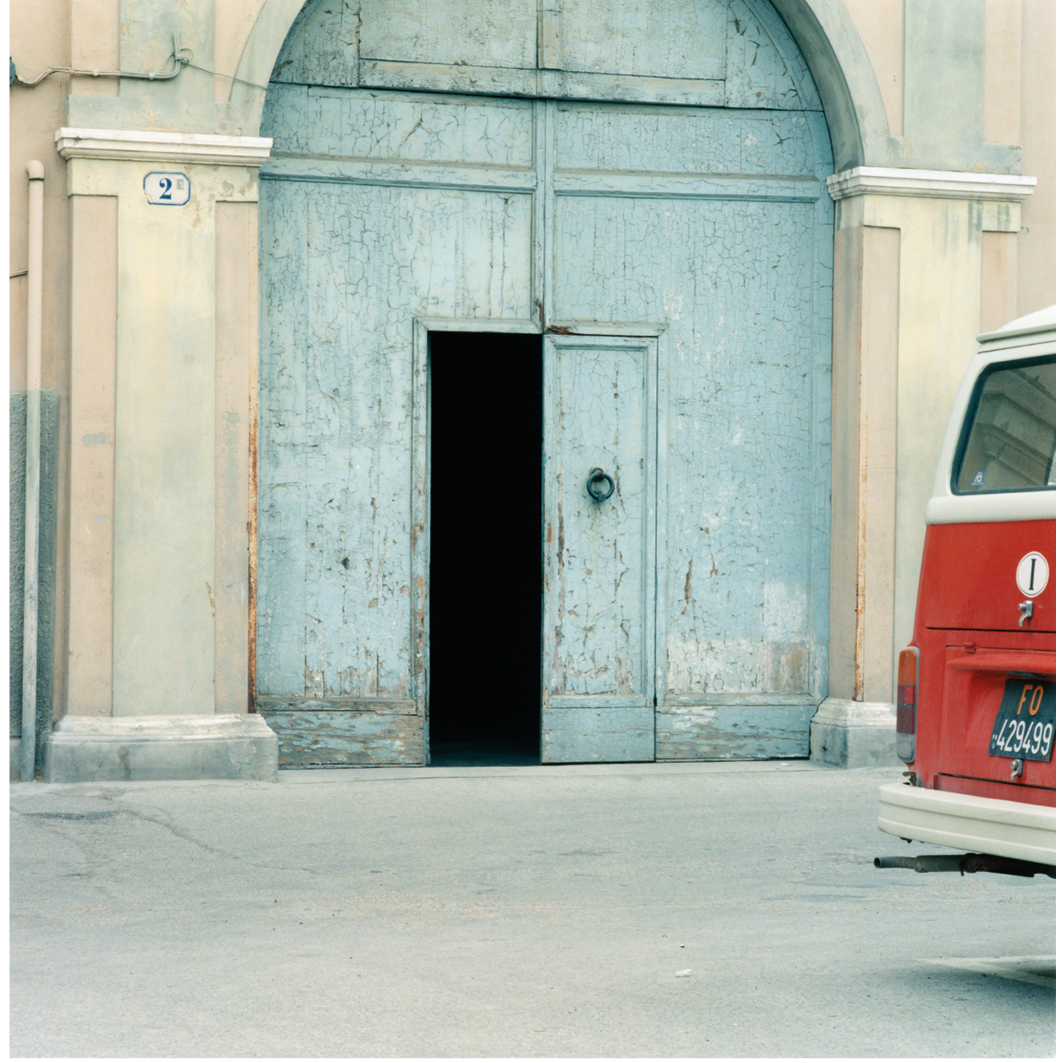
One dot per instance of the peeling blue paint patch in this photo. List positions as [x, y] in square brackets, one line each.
[582, 736]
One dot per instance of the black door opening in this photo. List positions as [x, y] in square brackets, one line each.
[485, 569]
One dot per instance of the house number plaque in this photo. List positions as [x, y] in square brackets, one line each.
[167, 189]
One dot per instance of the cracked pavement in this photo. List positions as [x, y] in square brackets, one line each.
[694, 909]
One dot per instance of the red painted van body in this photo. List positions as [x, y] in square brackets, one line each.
[976, 686]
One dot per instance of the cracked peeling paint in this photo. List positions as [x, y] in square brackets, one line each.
[711, 223]
[600, 421]
[729, 665]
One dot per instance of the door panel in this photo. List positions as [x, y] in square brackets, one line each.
[353, 260]
[733, 271]
[696, 239]
[724, 53]
[599, 569]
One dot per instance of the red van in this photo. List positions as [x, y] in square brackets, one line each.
[975, 702]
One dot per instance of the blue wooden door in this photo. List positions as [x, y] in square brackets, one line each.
[655, 222]
[368, 243]
[600, 514]
[644, 188]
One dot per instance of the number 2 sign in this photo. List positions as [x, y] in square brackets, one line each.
[167, 189]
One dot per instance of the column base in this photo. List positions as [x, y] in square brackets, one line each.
[160, 748]
[854, 734]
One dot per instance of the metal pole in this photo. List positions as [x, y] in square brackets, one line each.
[31, 594]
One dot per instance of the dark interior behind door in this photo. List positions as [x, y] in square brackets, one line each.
[485, 582]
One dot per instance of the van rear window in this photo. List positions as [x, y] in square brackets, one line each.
[1008, 440]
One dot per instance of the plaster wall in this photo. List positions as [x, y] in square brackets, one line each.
[1002, 70]
[93, 432]
[32, 121]
[163, 462]
[1037, 246]
[173, 418]
[94, 45]
[943, 130]
[45, 642]
[880, 26]
[923, 267]
[35, 114]
[865, 373]
[938, 320]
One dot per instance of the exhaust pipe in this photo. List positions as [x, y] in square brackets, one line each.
[967, 863]
[922, 864]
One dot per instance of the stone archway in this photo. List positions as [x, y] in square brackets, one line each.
[823, 31]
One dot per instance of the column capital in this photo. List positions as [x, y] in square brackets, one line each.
[932, 184]
[136, 145]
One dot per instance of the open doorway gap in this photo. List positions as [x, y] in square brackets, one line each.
[485, 527]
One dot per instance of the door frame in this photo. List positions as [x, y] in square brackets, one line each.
[647, 339]
[421, 457]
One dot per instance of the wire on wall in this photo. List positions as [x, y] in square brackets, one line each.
[178, 58]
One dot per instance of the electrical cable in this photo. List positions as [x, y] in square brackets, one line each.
[179, 61]
[229, 77]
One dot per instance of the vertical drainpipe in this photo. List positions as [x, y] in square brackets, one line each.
[31, 594]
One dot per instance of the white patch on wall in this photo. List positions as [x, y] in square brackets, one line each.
[784, 612]
[737, 666]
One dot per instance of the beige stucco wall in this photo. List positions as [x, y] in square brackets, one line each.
[153, 598]
[33, 119]
[94, 306]
[160, 454]
[880, 25]
[1037, 251]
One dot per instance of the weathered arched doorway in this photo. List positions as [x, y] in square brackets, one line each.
[640, 202]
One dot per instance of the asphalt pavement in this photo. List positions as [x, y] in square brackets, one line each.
[653, 910]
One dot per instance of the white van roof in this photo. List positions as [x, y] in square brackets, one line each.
[1040, 321]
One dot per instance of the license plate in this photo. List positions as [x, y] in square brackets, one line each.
[1024, 724]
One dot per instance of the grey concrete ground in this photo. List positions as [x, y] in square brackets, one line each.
[616, 910]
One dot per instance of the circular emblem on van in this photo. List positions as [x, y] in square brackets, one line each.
[1033, 573]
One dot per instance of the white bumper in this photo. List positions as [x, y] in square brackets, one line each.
[971, 824]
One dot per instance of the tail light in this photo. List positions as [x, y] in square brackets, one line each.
[907, 704]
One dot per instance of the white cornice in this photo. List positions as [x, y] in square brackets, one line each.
[934, 184]
[138, 146]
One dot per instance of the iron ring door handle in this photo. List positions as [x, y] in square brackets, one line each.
[599, 494]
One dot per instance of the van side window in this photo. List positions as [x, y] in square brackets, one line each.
[1008, 440]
